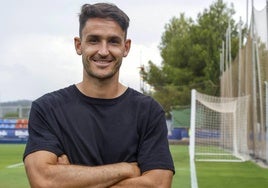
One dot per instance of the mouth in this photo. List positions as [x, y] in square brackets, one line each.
[102, 62]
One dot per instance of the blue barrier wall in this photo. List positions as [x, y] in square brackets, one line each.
[13, 130]
[179, 133]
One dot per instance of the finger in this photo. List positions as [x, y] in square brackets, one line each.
[63, 159]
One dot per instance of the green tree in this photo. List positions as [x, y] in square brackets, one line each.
[191, 54]
[207, 36]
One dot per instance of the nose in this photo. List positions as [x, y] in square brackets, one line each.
[103, 50]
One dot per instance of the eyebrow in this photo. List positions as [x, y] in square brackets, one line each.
[109, 37]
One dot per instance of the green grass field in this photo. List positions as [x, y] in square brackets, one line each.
[229, 175]
[14, 177]
[209, 174]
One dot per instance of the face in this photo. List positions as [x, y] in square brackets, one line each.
[102, 46]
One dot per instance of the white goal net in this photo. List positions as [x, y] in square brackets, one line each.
[218, 128]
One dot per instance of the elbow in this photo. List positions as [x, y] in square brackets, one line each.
[159, 178]
[163, 183]
[160, 184]
[39, 178]
[39, 184]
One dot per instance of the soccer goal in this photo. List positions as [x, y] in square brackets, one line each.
[218, 128]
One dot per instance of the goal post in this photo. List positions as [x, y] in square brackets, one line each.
[192, 125]
[218, 128]
[194, 183]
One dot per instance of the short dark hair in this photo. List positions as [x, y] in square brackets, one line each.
[103, 10]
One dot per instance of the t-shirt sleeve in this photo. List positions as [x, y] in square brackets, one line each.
[154, 150]
[41, 134]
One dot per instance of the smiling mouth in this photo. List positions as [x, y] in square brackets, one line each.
[102, 62]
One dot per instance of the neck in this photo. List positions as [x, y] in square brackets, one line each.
[104, 89]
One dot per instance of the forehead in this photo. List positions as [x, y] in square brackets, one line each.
[101, 26]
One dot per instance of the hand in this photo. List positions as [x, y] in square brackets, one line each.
[135, 169]
[63, 160]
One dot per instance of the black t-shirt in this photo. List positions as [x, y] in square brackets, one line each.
[91, 131]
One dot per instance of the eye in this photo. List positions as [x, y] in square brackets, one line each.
[92, 40]
[114, 41]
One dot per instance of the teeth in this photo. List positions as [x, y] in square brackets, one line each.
[102, 61]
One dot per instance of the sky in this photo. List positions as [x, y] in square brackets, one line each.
[37, 54]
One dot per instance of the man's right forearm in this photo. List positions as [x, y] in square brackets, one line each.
[82, 176]
[51, 174]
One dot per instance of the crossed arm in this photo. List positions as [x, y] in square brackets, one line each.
[45, 169]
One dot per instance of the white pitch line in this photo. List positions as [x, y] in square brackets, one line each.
[15, 165]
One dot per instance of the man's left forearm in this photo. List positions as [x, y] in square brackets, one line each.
[151, 179]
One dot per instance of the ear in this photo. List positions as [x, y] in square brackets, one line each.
[77, 45]
[127, 47]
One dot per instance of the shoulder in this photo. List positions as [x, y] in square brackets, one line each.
[139, 97]
[145, 100]
[56, 98]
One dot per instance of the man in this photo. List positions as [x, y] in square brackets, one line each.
[98, 133]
